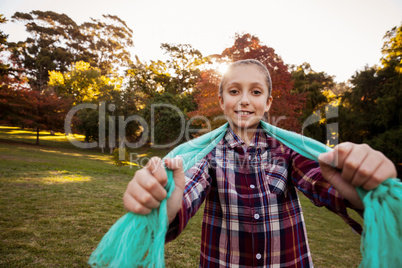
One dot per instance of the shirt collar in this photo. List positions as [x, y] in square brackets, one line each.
[259, 140]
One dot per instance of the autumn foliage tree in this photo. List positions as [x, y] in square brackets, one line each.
[32, 109]
[206, 95]
[287, 105]
[48, 111]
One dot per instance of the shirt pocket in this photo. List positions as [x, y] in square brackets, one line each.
[276, 174]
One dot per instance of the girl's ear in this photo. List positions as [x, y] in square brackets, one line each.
[269, 102]
[221, 102]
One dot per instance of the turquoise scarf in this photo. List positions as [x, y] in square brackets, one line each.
[138, 240]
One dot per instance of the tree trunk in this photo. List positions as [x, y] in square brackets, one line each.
[37, 136]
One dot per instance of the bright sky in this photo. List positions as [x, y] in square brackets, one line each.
[337, 37]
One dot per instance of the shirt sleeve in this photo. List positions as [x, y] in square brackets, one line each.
[197, 187]
[306, 176]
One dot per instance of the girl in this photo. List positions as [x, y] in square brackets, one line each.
[252, 215]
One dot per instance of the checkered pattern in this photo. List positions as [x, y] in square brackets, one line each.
[252, 215]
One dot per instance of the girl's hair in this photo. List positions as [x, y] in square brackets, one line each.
[257, 63]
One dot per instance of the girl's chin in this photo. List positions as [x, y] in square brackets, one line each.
[246, 125]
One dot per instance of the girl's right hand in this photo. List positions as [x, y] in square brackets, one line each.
[146, 190]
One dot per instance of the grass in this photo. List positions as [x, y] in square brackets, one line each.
[57, 201]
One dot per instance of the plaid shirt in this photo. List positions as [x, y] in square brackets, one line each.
[252, 215]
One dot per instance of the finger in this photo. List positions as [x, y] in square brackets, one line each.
[145, 198]
[333, 176]
[176, 165]
[175, 200]
[133, 205]
[384, 171]
[353, 162]
[341, 152]
[156, 168]
[147, 183]
[367, 169]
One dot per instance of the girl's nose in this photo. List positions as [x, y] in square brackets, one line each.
[244, 99]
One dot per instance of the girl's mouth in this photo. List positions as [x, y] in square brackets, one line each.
[243, 113]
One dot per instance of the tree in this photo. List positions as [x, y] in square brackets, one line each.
[315, 86]
[108, 42]
[15, 106]
[286, 103]
[177, 75]
[85, 84]
[167, 114]
[33, 109]
[206, 97]
[49, 112]
[358, 107]
[49, 47]
[183, 63]
[371, 112]
[4, 68]
[165, 85]
[56, 41]
[142, 77]
[392, 49]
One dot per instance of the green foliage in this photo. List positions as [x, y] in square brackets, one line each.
[183, 63]
[371, 111]
[306, 80]
[372, 107]
[314, 86]
[165, 87]
[142, 78]
[88, 123]
[392, 49]
[56, 41]
[390, 143]
[165, 121]
[86, 84]
[4, 68]
[108, 43]
[177, 75]
[83, 82]
[47, 47]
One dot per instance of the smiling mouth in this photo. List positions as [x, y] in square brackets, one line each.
[243, 113]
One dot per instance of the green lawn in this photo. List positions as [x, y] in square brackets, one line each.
[57, 201]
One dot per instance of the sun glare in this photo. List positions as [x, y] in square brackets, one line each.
[222, 68]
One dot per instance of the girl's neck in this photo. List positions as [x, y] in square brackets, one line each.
[246, 134]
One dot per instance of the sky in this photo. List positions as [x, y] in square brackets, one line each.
[337, 37]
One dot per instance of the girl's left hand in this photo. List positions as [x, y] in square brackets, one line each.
[352, 165]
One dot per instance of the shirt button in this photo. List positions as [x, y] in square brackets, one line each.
[258, 256]
[252, 186]
[256, 216]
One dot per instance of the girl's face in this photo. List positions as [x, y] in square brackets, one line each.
[244, 98]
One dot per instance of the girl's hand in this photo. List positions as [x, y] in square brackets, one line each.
[355, 165]
[146, 190]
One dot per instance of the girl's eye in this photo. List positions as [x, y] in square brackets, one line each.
[256, 92]
[233, 91]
